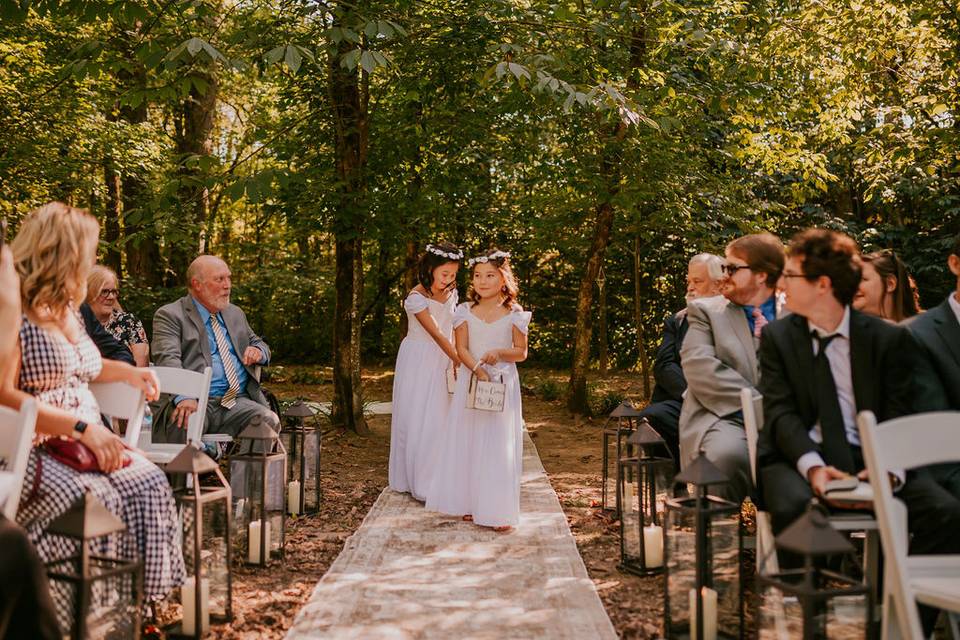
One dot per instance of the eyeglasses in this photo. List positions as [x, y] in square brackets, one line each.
[731, 269]
[793, 275]
[106, 293]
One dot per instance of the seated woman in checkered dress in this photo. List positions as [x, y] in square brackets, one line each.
[53, 252]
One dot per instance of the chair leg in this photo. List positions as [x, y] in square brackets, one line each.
[890, 625]
[871, 563]
[953, 624]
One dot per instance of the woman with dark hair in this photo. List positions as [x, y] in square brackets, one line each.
[425, 360]
[886, 289]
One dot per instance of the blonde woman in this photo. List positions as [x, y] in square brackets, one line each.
[103, 296]
[53, 254]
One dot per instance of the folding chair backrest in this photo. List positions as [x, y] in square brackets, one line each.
[903, 443]
[191, 384]
[16, 437]
[752, 404]
[122, 401]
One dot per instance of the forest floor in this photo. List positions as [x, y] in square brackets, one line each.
[354, 472]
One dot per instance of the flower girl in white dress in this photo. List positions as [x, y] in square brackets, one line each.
[480, 462]
[420, 397]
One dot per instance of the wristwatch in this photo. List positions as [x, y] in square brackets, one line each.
[78, 429]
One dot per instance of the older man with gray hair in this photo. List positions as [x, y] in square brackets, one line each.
[704, 277]
[202, 329]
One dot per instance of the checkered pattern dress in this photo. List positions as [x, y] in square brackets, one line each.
[57, 371]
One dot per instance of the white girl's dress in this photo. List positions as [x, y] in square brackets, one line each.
[420, 397]
[480, 463]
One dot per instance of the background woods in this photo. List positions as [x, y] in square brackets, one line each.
[318, 146]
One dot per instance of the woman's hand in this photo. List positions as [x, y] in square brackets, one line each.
[491, 357]
[106, 446]
[145, 379]
[455, 359]
[482, 374]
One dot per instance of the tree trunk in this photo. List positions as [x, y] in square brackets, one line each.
[378, 324]
[194, 125]
[638, 319]
[604, 343]
[348, 104]
[577, 400]
[113, 212]
[610, 168]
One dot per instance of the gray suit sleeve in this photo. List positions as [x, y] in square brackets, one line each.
[715, 385]
[167, 334]
[257, 341]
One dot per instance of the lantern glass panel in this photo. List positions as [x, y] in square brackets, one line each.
[643, 496]
[609, 493]
[720, 591]
[112, 611]
[214, 561]
[253, 506]
[841, 616]
[302, 443]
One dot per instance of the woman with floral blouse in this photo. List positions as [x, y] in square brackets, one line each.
[103, 296]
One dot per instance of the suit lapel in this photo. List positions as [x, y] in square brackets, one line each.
[741, 328]
[948, 328]
[190, 310]
[803, 352]
[861, 366]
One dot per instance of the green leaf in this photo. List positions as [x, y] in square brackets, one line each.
[292, 59]
[351, 59]
[194, 45]
[274, 55]
[368, 62]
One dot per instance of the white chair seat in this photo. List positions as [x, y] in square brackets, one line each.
[852, 521]
[942, 592]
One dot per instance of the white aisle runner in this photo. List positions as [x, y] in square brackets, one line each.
[410, 573]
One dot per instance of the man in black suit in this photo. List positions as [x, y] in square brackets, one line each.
[938, 383]
[704, 275]
[819, 367]
[109, 347]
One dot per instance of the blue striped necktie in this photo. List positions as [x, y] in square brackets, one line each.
[229, 398]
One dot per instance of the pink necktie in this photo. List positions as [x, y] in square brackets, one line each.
[759, 322]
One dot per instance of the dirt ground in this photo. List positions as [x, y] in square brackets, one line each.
[354, 471]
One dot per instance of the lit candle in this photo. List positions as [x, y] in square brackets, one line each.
[653, 546]
[188, 596]
[709, 614]
[253, 535]
[293, 497]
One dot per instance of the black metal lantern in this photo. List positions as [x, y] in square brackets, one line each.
[301, 438]
[258, 473]
[207, 592]
[105, 593]
[620, 424]
[703, 594]
[645, 483]
[811, 602]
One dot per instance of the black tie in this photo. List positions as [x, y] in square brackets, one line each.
[836, 450]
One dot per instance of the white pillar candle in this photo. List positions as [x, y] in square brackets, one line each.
[653, 546]
[188, 596]
[293, 497]
[709, 614]
[253, 535]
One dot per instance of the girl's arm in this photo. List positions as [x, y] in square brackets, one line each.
[426, 321]
[462, 335]
[518, 352]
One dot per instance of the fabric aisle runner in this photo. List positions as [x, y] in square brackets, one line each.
[410, 573]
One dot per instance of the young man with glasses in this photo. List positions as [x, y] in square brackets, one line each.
[821, 366]
[719, 358]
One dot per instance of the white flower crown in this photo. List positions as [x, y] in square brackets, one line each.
[493, 256]
[440, 252]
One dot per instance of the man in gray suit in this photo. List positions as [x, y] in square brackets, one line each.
[719, 358]
[202, 329]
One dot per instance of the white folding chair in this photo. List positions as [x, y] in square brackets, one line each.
[16, 437]
[767, 562]
[907, 443]
[752, 405]
[121, 401]
[179, 382]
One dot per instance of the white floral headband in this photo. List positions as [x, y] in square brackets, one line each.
[440, 252]
[493, 256]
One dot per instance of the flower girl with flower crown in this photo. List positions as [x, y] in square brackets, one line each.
[420, 398]
[480, 460]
